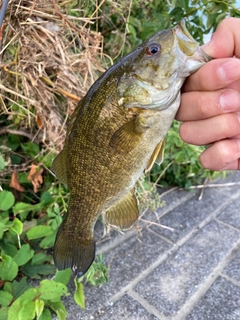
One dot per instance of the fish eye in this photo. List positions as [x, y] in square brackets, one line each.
[153, 49]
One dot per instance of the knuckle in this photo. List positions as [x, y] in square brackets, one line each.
[203, 105]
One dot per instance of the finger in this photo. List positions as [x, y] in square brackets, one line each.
[199, 105]
[215, 74]
[222, 155]
[207, 131]
[225, 41]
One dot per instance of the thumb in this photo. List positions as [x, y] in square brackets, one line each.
[225, 42]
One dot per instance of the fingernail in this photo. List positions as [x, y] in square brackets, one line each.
[229, 100]
[230, 70]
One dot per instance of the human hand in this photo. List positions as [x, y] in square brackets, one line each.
[210, 106]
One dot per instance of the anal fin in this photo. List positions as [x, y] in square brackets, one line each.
[124, 213]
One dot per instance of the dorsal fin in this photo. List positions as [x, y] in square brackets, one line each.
[59, 166]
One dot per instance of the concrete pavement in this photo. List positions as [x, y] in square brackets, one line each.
[191, 272]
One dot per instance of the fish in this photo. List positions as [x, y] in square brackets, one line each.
[115, 134]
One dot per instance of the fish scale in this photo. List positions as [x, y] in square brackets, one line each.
[116, 133]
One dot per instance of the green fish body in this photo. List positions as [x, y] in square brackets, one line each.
[116, 133]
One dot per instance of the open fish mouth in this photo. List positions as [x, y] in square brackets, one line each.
[186, 42]
[185, 31]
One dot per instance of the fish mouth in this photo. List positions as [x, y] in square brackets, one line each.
[191, 45]
[182, 26]
[186, 42]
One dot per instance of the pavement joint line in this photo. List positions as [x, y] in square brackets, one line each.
[177, 203]
[150, 308]
[130, 233]
[197, 295]
[227, 224]
[235, 282]
[166, 254]
[218, 210]
[160, 236]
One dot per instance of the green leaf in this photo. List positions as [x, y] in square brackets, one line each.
[39, 232]
[63, 276]
[46, 197]
[6, 200]
[48, 242]
[5, 298]
[2, 162]
[35, 271]
[51, 290]
[27, 311]
[19, 308]
[177, 13]
[2, 229]
[79, 294]
[60, 310]
[17, 226]
[39, 305]
[4, 313]
[39, 258]
[18, 288]
[8, 248]
[46, 315]
[23, 209]
[8, 268]
[24, 254]
[8, 287]
[30, 148]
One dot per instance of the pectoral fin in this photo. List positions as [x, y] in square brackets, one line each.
[157, 155]
[128, 135]
[124, 213]
[59, 166]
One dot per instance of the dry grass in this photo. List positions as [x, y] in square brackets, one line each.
[48, 60]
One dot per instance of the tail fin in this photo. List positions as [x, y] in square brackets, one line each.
[69, 253]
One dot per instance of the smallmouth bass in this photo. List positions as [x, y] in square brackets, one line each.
[115, 134]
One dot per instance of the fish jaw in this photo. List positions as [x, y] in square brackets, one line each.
[189, 50]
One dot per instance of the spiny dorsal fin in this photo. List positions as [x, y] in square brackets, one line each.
[157, 156]
[124, 213]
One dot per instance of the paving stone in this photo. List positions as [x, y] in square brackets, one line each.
[231, 214]
[188, 215]
[233, 269]
[177, 278]
[125, 309]
[221, 301]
